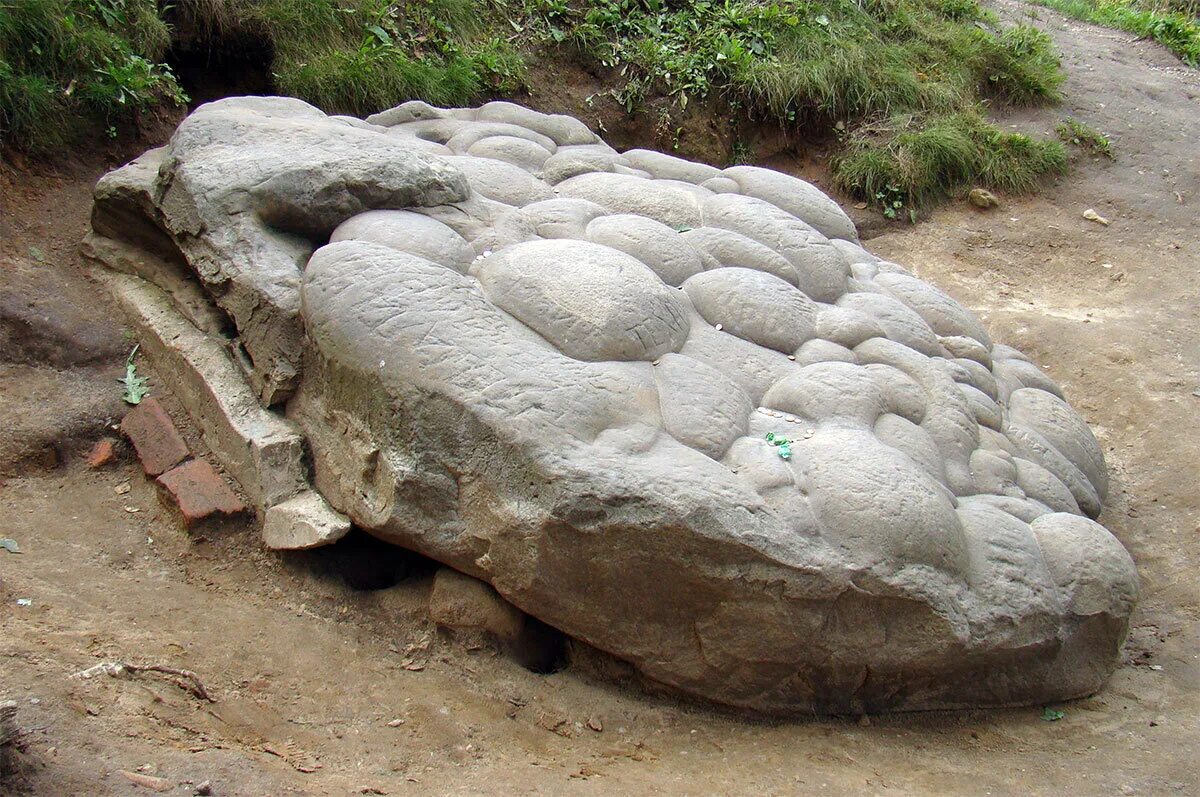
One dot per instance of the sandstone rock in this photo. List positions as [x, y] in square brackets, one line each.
[263, 451]
[554, 368]
[241, 190]
[303, 522]
[982, 198]
[463, 603]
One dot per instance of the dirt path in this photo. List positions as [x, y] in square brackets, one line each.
[309, 674]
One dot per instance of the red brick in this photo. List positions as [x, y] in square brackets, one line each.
[102, 453]
[154, 436]
[200, 492]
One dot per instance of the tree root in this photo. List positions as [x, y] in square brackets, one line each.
[188, 679]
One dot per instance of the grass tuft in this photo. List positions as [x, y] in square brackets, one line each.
[927, 68]
[102, 58]
[1022, 68]
[913, 161]
[1084, 136]
[360, 56]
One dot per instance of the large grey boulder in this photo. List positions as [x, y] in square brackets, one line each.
[568, 372]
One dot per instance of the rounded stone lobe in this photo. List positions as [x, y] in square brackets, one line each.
[658, 246]
[409, 232]
[755, 306]
[591, 302]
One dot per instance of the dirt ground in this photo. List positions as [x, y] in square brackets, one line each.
[324, 689]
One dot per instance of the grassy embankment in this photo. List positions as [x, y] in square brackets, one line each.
[904, 84]
[1173, 23]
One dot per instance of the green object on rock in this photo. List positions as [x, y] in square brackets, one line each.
[784, 445]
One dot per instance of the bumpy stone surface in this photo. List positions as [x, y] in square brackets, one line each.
[555, 367]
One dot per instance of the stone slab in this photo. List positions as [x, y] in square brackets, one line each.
[200, 493]
[302, 522]
[260, 449]
[158, 443]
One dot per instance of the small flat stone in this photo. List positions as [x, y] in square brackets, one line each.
[102, 453]
[305, 521]
[154, 436]
[200, 492]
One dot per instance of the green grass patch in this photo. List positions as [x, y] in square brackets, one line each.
[77, 60]
[907, 82]
[1174, 24]
[1074, 132]
[102, 59]
[835, 58]
[909, 79]
[908, 162]
[359, 56]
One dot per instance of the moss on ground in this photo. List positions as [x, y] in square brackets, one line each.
[1076, 133]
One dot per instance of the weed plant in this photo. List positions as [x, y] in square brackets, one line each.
[908, 80]
[64, 63]
[359, 56]
[1084, 136]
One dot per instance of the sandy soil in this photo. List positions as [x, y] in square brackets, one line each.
[321, 689]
